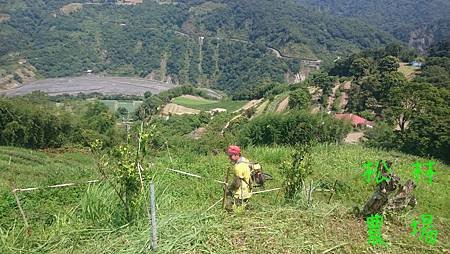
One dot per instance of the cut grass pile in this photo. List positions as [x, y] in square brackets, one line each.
[269, 226]
[205, 105]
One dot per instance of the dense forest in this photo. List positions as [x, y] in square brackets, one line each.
[208, 43]
[409, 21]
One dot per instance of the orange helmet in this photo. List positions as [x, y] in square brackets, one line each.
[234, 150]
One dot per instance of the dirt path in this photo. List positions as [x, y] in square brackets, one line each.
[346, 87]
[354, 137]
[332, 96]
[249, 104]
[283, 105]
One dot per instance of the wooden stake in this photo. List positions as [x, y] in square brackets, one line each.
[225, 189]
[310, 190]
[332, 191]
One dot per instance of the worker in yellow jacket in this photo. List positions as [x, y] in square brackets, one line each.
[239, 190]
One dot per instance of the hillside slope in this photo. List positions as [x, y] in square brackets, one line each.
[84, 223]
[222, 44]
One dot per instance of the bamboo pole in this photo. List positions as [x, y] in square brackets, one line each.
[22, 212]
[211, 207]
[193, 175]
[138, 165]
[52, 186]
[153, 216]
[263, 191]
[61, 185]
[140, 169]
[335, 247]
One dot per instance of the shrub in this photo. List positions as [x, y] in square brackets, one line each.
[299, 99]
[298, 127]
[381, 136]
[295, 171]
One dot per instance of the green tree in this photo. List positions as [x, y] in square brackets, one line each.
[382, 135]
[121, 112]
[324, 81]
[441, 49]
[389, 81]
[14, 134]
[151, 106]
[299, 99]
[394, 49]
[404, 103]
[360, 67]
[388, 64]
[147, 94]
[436, 75]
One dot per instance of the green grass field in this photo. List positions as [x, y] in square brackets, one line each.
[408, 71]
[205, 105]
[81, 219]
[113, 105]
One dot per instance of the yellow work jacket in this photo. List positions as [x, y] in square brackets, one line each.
[242, 171]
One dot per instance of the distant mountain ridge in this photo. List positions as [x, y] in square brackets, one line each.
[147, 40]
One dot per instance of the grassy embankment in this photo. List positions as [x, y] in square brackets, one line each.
[205, 104]
[273, 105]
[82, 219]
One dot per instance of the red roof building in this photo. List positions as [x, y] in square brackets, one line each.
[355, 120]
